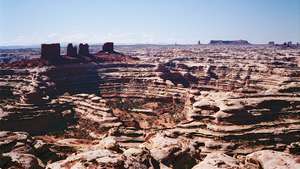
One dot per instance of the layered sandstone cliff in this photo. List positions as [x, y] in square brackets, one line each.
[173, 107]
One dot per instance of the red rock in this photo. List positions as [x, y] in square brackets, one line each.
[83, 50]
[71, 50]
[108, 47]
[51, 52]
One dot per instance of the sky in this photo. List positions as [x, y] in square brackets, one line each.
[28, 22]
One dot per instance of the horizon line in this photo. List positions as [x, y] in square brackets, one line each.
[142, 43]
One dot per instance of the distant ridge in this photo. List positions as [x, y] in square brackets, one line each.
[229, 42]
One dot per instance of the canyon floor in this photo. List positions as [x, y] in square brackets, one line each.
[153, 106]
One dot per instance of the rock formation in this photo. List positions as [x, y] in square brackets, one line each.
[83, 50]
[107, 54]
[108, 47]
[71, 50]
[35, 107]
[272, 43]
[20, 150]
[182, 107]
[51, 52]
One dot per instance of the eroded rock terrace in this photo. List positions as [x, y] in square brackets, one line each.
[169, 107]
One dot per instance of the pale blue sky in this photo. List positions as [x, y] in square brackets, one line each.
[25, 22]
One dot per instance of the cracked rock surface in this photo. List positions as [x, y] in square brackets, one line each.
[177, 107]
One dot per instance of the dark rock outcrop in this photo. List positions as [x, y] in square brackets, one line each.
[272, 43]
[108, 47]
[107, 54]
[35, 119]
[83, 49]
[74, 78]
[51, 52]
[71, 50]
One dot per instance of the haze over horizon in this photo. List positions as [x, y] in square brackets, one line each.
[140, 21]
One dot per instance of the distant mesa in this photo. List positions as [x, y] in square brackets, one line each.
[272, 43]
[229, 42]
[289, 44]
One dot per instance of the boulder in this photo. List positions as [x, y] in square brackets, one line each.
[270, 159]
[222, 161]
[139, 158]
[171, 152]
[25, 161]
[100, 158]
